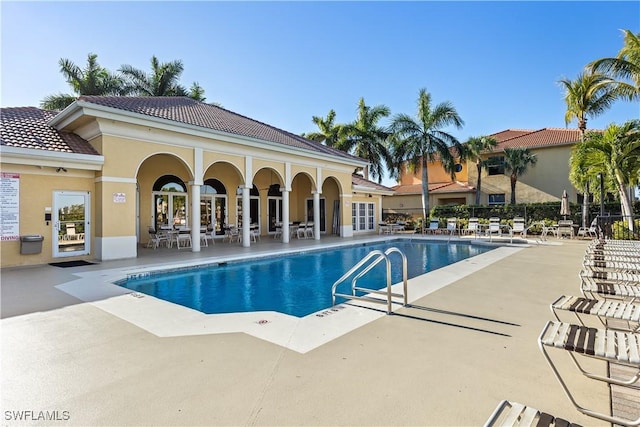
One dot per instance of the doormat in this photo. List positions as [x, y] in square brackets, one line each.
[67, 264]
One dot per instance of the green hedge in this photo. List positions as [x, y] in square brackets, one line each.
[532, 212]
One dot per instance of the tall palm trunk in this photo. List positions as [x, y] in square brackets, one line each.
[425, 189]
[627, 211]
[479, 186]
[582, 126]
[514, 179]
[585, 206]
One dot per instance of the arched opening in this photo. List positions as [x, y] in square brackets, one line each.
[170, 202]
[213, 205]
[254, 206]
[331, 197]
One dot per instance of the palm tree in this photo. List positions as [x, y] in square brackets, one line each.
[475, 147]
[589, 95]
[367, 140]
[196, 92]
[625, 67]
[617, 152]
[516, 162]
[420, 141]
[92, 80]
[163, 80]
[330, 133]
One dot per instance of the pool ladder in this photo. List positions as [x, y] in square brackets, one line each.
[374, 258]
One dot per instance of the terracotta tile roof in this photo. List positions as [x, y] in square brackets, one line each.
[437, 187]
[546, 137]
[509, 133]
[26, 127]
[188, 111]
[359, 180]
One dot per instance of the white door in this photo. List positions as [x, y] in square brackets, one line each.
[71, 220]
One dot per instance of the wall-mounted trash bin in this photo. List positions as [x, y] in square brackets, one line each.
[31, 244]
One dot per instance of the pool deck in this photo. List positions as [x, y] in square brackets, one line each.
[448, 359]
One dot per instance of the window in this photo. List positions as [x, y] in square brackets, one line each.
[363, 216]
[496, 199]
[495, 165]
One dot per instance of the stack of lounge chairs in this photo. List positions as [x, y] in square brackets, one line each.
[610, 287]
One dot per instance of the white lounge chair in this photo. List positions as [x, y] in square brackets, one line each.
[473, 227]
[519, 227]
[565, 228]
[592, 287]
[434, 226]
[612, 265]
[603, 309]
[452, 226]
[516, 414]
[606, 345]
[591, 231]
[494, 227]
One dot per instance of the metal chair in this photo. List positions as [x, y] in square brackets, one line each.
[606, 345]
[518, 415]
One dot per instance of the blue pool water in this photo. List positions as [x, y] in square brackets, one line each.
[296, 284]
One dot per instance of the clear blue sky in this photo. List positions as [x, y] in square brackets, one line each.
[284, 62]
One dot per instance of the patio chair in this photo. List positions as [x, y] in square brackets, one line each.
[494, 227]
[609, 252]
[473, 227]
[605, 345]
[308, 230]
[206, 235]
[591, 231]
[612, 265]
[594, 288]
[156, 239]
[519, 227]
[232, 234]
[278, 232]
[254, 232]
[620, 276]
[565, 228]
[434, 226]
[183, 238]
[301, 232]
[452, 226]
[516, 414]
[603, 309]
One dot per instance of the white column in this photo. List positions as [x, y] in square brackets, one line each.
[195, 198]
[316, 215]
[195, 218]
[286, 191]
[246, 217]
[285, 216]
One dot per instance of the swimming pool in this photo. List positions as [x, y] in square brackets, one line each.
[297, 285]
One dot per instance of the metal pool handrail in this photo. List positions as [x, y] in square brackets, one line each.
[377, 256]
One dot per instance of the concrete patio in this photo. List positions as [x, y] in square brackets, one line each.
[447, 360]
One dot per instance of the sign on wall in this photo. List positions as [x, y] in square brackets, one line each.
[9, 206]
[119, 198]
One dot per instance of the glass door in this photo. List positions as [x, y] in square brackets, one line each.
[171, 210]
[71, 219]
